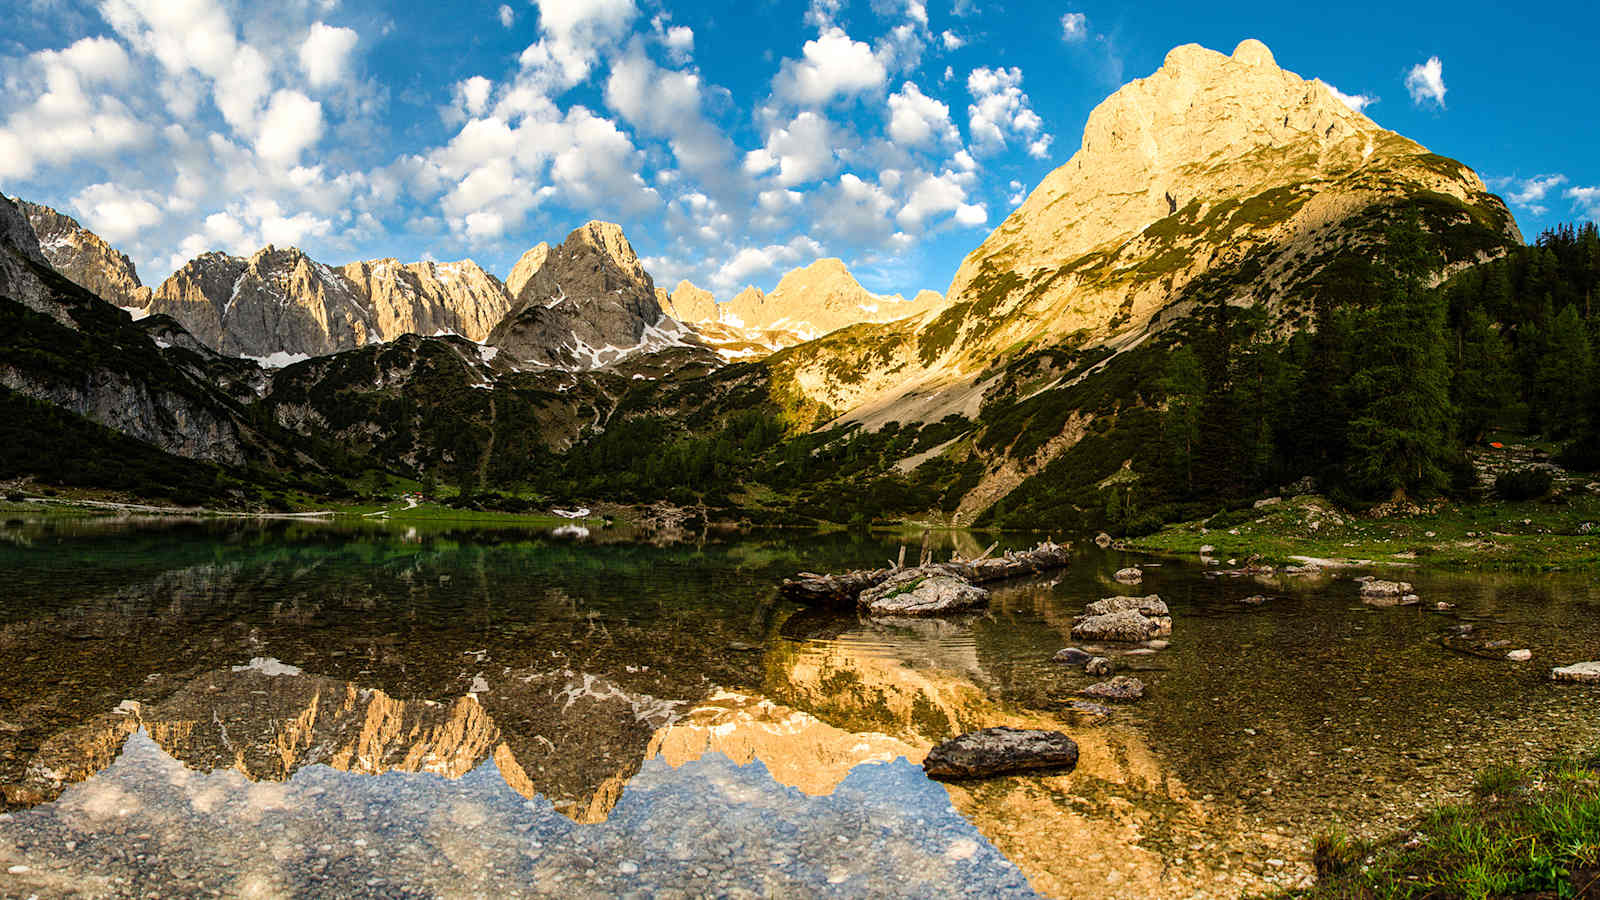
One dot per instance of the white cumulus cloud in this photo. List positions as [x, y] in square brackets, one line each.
[1074, 27]
[116, 213]
[325, 54]
[917, 119]
[1425, 81]
[833, 65]
[1000, 109]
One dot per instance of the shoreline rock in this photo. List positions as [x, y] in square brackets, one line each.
[1001, 751]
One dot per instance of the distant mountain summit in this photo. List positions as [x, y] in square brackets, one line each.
[820, 298]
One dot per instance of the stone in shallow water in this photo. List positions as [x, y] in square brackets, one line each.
[1072, 656]
[1378, 588]
[999, 751]
[918, 593]
[1098, 666]
[1126, 625]
[1129, 575]
[1587, 672]
[1122, 687]
[1148, 606]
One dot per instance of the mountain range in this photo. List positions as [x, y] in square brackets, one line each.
[1220, 182]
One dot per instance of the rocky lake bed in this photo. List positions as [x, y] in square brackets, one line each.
[275, 707]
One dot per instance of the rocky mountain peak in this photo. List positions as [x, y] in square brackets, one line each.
[588, 303]
[84, 257]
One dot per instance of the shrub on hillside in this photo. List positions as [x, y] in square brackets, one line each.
[1522, 484]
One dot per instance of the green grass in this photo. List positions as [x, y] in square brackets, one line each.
[1532, 536]
[1525, 832]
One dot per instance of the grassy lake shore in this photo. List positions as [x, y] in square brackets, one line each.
[1533, 536]
[1524, 832]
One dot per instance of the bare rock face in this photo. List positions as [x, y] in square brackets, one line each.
[281, 301]
[430, 298]
[527, 266]
[19, 254]
[84, 257]
[588, 305]
[919, 592]
[688, 303]
[1001, 751]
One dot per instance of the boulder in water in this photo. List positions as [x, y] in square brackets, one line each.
[918, 592]
[1122, 687]
[999, 751]
[1098, 666]
[1129, 575]
[1072, 656]
[1374, 587]
[1128, 625]
[1147, 606]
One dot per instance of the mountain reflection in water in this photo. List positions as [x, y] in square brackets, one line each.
[288, 709]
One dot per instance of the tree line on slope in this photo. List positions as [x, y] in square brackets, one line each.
[1381, 399]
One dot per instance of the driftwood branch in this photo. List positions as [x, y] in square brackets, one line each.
[845, 587]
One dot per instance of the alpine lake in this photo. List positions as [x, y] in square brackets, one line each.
[275, 709]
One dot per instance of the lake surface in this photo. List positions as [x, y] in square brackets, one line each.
[270, 709]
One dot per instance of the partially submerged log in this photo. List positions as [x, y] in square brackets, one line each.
[824, 590]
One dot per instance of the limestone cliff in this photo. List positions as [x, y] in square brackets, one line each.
[689, 303]
[84, 257]
[282, 302]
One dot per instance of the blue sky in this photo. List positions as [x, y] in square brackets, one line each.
[733, 139]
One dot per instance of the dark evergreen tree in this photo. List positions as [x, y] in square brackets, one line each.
[1400, 433]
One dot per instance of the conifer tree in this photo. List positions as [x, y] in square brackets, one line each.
[1400, 432]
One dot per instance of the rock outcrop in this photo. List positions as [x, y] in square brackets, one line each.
[84, 257]
[1001, 751]
[588, 304]
[1152, 605]
[20, 260]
